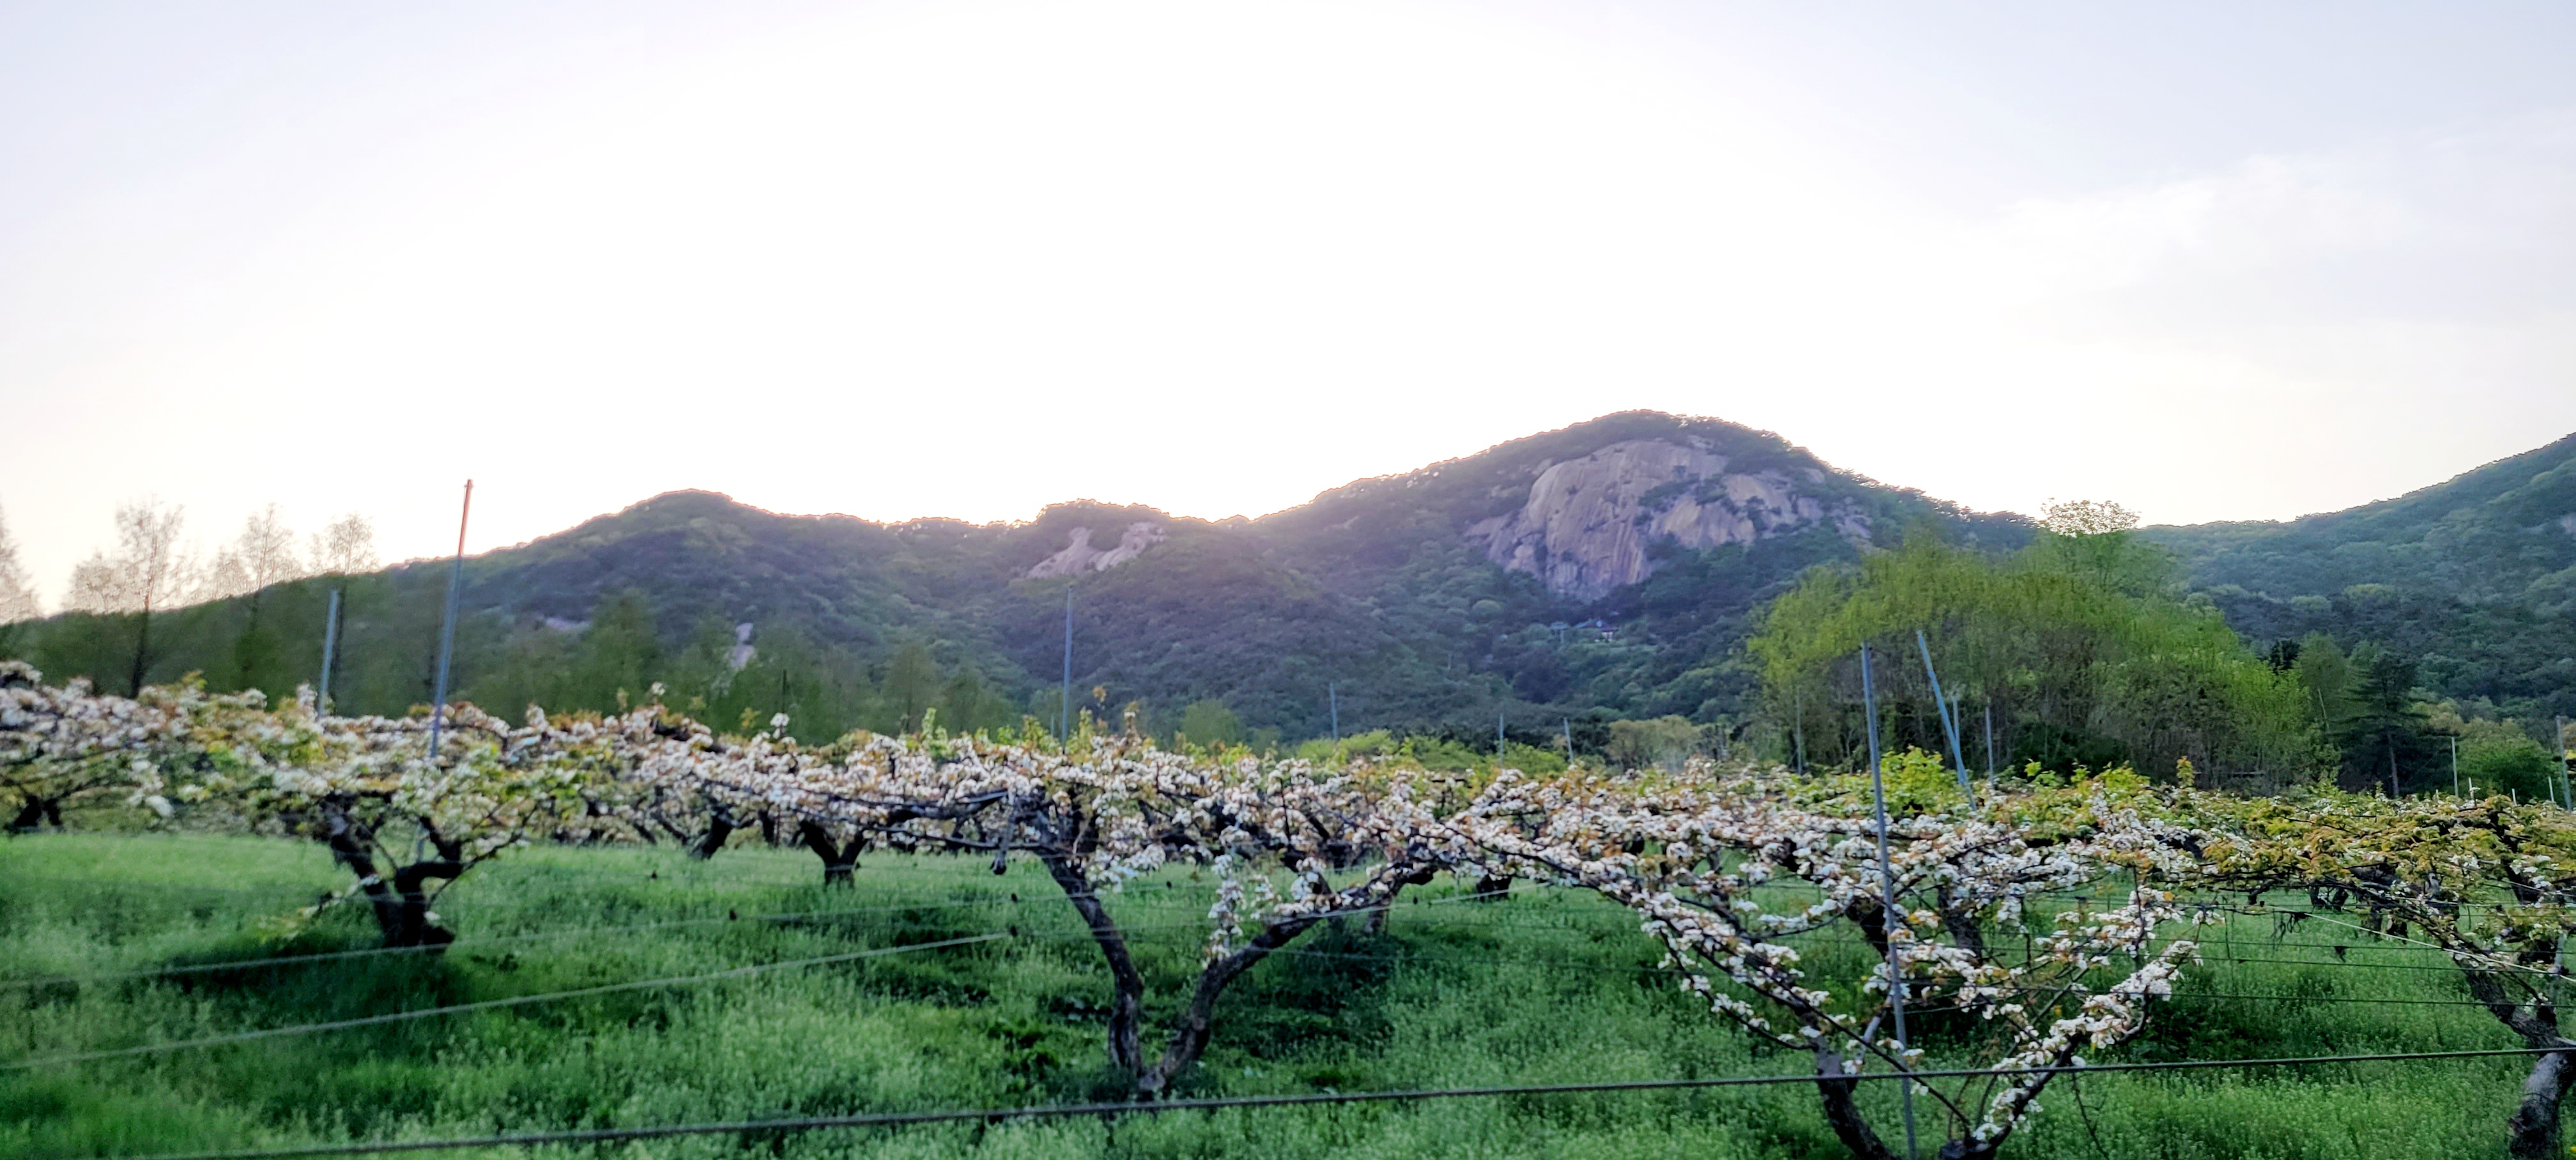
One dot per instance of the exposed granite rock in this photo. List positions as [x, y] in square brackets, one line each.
[1588, 523]
[1079, 556]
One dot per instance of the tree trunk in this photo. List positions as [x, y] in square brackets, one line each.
[1494, 888]
[402, 908]
[838, 860]
[719, 830]
[1377, 914]
[1842, 1109]
[1190, 1038]
[1127, 987]
[413, 898]
[31, 815]
[142, 653]
[1965, 931]
[2533, 1127]
[1871, 918]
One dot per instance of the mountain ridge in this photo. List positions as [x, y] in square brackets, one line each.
[1607, 568]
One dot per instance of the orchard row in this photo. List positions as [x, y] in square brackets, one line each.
[2052, 914]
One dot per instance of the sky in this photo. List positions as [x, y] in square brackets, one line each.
[968, 258]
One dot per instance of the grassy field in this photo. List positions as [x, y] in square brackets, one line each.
[1544, 987]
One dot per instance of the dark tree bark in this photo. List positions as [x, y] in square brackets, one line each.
[402, 906]
[1871, 918]
[1842, 1109]
[838, 859]
[2534, 1129]
[31, 816]
[1963, 927]
[720, 830]
[142, 652]
[1197, 1022]
[1378, 914]
[1127, 987]
[1190, 1036]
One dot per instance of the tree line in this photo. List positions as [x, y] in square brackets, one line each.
[2084, 649]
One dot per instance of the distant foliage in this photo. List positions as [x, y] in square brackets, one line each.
[17, 590]
[2086, 517]
[2470, 579]
[2076, 645]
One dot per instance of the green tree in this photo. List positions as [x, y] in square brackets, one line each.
[911, 687]
[1662, 742]
[2498, 757]
[967, 706]
[1211, 722]
[620, 655]
[2386, 739]
[2077, 647]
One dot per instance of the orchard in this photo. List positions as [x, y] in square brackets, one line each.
[2031, 933]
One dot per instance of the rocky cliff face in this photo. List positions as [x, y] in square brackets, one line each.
[1080, 556]
[1588, 524]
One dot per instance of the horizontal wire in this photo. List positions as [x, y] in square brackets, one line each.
[485, 1005]
[522, 1000]
[471, 943]
[1105, 1110]
[1658, 970]
[488, 940]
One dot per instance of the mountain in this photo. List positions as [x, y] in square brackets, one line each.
[2474, 579]
[1609, 569]
[1604, 569]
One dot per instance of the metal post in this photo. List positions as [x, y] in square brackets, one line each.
[2564, 756]
[1887, 894]
[1949, 722]
[1990, 742]
[1498, 738]
[330, 654]
[1798, 728]
[2455, 765]
[1569, 742]
[1064, 714]
[447, 635]
[1333, 697]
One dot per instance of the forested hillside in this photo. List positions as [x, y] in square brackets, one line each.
[2473, 580]
[1613, 569]
[1607, 569]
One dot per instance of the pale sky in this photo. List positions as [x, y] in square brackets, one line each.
[2215, 261]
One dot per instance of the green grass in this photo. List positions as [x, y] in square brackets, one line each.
[1545, 987]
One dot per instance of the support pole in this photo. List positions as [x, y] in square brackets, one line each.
[1887, 894]
[447, 634]
[2564, 756]
[1333, 698]
[1569, 742]
[1949, 722]
[1064, 713]
[330, 655]
[1990, 742]
[1798, 728]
